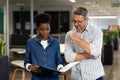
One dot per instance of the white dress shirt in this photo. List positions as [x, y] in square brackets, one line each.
[88, 69]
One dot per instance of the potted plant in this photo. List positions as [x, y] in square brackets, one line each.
[115, 34]
[2, 47]
[107, 37]
[4, 68]
[108, 47]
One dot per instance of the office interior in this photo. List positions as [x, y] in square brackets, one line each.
[17, 25]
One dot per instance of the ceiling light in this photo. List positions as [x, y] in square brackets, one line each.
[95, 4]
[72, 0]
[103, 17]
[88, 3]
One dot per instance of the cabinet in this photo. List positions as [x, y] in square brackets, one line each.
[60, 22]
[21, 22]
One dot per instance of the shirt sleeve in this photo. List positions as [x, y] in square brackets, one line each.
[27, 55]
[27, 65]
[59, 66]
[69, 53]
[96, 44]
[58, 57]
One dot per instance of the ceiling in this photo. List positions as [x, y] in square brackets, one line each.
[95, 7]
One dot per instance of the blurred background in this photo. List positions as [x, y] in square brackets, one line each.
[17, 25]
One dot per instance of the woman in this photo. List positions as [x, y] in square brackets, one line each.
[43, 51]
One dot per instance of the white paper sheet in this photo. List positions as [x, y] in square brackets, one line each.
[68, 66]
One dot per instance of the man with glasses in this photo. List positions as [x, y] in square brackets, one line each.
[84, 44]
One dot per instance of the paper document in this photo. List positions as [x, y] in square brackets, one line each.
[68, 66]
[64, 69]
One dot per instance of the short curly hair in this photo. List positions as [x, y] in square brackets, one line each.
[42, 18]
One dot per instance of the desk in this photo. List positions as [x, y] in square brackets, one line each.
[23, 51]
[18, 50]
[19, 63]
[17, 53]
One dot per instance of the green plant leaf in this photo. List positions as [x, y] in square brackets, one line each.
[2, 47]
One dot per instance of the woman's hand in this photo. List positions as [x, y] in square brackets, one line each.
[34, 68]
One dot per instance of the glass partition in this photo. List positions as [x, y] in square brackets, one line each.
[1, 16]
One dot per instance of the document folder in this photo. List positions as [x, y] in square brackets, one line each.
[64, 69]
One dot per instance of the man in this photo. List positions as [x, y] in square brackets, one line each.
[84, 44]
[43, 51]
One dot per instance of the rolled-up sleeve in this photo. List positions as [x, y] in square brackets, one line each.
[27, 55]
[59, 59]
[69, 53]
[96, 44]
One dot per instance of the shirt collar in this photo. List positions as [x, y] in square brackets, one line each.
[88, 27]
[50, 39]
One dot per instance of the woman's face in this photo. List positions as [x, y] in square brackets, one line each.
[44, 30]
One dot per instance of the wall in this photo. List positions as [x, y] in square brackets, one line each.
[104, 23]
[40, 9]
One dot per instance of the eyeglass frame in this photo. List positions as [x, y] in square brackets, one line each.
[78, 21]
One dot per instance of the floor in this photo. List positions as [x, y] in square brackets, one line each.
[112, 71]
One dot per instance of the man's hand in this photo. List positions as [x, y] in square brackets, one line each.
[82, 56]
[90, 56]
[95, 57]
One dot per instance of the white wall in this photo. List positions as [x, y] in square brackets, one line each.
[104, 23]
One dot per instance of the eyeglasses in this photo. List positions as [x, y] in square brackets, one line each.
[78, 22]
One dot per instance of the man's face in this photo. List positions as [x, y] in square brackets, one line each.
[44, 30]
[80, 22]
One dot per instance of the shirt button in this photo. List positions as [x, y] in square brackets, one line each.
[44, 58]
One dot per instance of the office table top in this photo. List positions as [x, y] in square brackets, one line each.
[23, 51]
